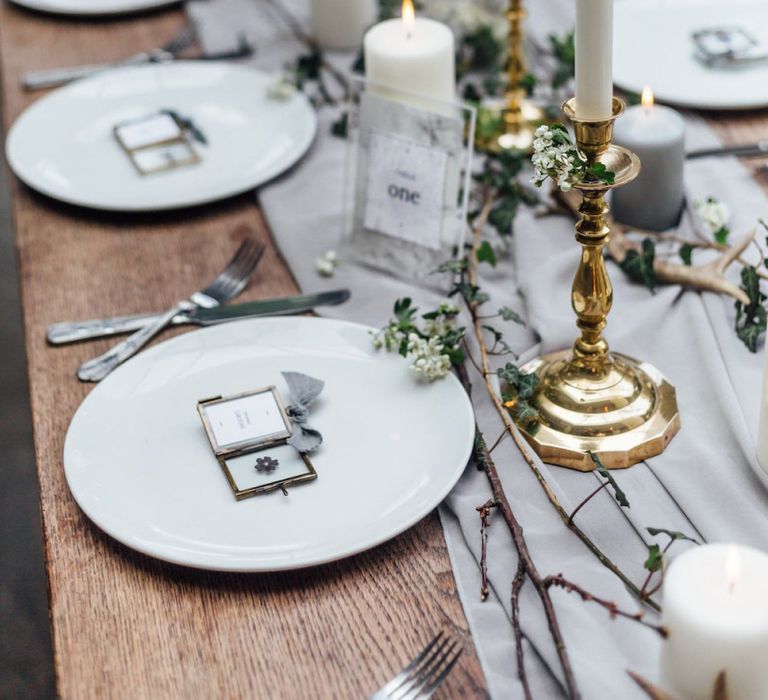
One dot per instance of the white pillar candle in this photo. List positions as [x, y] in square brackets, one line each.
[340, 24]
[656, 134]
[716, 612]
[594, 59]
[411, 56]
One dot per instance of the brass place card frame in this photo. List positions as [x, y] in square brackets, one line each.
[231, 451]
[168, 159]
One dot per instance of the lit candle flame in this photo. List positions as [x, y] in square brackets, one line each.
[733, 567]
[647, 97]
[409, 17]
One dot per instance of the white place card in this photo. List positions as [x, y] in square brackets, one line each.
[405, 187]
[251, 419]
[154, 129]
[407, 182]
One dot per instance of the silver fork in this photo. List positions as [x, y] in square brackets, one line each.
[228, 284]
[421, 678]
[38, 80]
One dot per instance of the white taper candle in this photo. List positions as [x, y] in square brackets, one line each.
[594, 59]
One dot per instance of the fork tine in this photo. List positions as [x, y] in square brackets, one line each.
[435, 681]
[412, 678]
[237, 271]
[422, 674]
[234, 279]
[403, 676]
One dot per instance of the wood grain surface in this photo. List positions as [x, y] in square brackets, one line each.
[125, 625]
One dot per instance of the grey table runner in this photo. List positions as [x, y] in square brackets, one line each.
[703, 484]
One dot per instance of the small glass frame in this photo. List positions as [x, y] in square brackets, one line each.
[157, 142]
[253, 422]
[408, 173]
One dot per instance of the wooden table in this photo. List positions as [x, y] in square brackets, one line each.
[127, 626]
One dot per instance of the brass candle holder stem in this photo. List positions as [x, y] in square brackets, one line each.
[590, 399]
[519, 116]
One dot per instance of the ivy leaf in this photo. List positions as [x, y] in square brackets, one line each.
[519, 389]
[522, 384]
[471, 293]
[483, 48]
[500, 346]
[564, 51]
[508, 314]
[600, 172]
[456, 266]
[485, 253]
[621, 497]
[672, 534]
[751, 318]
[655, 559]
[340, 127]
[471, 93]
[639, 265]
[686, 253]
[528, 83]
[503, 214]
[404, 313]
[721, 235]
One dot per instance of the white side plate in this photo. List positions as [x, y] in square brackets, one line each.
[139, 465]
[652, 46]
[93, 8]
[63, 144]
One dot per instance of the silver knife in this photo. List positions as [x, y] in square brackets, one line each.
[62, 333]
[41, 80]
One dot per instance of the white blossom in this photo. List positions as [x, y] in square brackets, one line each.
[281, 89]
[444, 322]
[428, 360]
[327, 263]
[556, 157]
[713, 214]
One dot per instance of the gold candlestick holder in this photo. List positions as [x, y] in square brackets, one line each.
[591, 399]
[519, 117]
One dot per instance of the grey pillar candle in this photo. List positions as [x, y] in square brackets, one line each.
[657, 135]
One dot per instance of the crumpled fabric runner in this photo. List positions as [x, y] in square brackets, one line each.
[703, 484]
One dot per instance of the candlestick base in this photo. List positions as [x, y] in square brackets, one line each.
[588, 398]
[624, 412]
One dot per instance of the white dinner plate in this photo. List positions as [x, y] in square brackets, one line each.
[63, 145]
[139, 465]
[91, 8]
[652, 46]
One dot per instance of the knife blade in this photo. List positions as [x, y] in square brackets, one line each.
[269, 307]
[71, 332]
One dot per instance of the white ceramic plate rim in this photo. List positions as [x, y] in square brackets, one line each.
[180, 201]
[92, 10]
[364, 545]
[663, 96]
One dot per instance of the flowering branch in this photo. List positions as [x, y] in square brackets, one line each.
[556, 157]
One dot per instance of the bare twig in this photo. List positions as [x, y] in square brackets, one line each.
[510, 426]
[485, 523]
[586, 500]
[517, 585]
[652, 691]
[708, 277]
[613, 610]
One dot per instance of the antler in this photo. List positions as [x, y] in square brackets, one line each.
[709, 277]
